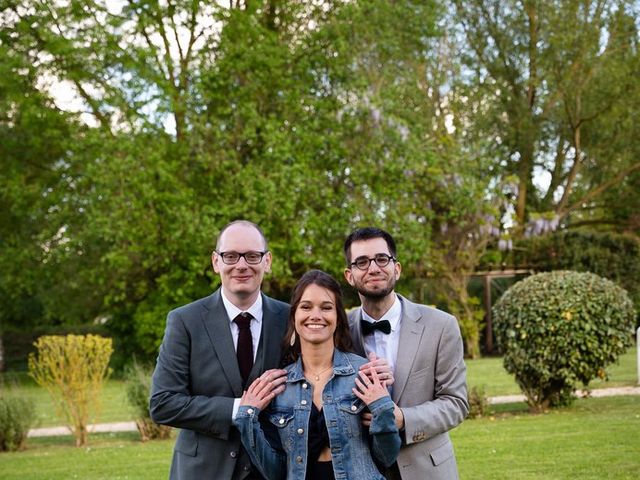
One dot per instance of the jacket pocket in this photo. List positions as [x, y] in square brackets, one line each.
[187, 443]
[442, 453]
[350, 408]
[281, 418]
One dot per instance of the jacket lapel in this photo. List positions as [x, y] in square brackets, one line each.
[411, 330]
[268, 354]
[356, 331]
[216, 323]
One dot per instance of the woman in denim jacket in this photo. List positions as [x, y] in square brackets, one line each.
[313, 430]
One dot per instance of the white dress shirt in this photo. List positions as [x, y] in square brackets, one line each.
[385, 345]
[256, 322]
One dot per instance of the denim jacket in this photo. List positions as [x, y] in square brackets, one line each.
[284, 455]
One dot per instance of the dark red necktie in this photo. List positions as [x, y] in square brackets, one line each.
[244, 350]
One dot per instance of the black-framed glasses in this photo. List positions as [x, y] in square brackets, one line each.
[381, 259]
[231, 258]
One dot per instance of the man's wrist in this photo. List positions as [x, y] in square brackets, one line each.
[399, 415]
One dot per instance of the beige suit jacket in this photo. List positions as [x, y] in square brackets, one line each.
[430, 388]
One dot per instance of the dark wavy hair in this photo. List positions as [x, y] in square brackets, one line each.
[341, 337]
[368, 233]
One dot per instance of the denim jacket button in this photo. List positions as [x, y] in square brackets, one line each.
[299, 459]
[303, 402]
[300, 431]
[281, 421]
[250, 411]
[353, 408]
[304, 385]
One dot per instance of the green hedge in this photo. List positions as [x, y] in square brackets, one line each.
[560, 328]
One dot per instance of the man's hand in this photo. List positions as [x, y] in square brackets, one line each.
[397, 413]
[381, 366]
[264, 389]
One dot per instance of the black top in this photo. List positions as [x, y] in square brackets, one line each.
[318, 440]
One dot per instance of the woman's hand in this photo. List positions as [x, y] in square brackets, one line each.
[264, 389]
[381, 366]
[370, 390]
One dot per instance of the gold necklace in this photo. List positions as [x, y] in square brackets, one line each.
[316, 376]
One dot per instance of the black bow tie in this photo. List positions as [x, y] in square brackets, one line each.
[383, 325]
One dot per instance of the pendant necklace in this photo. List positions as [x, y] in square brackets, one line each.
[317, 375]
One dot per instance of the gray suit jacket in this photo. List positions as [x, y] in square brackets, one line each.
[430, 387]
[196, 380]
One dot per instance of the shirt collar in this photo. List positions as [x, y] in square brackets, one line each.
[232, 311]
[393, 315]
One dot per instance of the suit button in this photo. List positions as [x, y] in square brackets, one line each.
[233, 454]
[299, 459]
[300, 431]
[246, 469]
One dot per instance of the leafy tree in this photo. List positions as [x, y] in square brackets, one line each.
[542, 79]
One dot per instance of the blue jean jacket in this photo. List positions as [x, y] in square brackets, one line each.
[284, 455]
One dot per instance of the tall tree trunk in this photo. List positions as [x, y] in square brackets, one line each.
[2, 363]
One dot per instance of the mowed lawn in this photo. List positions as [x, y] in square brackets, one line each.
[596, 438]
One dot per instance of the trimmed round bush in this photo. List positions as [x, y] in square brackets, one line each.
[559, 328]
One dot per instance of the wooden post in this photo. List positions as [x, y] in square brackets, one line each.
[488, 336]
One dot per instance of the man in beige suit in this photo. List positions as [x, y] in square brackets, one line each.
[430, 375]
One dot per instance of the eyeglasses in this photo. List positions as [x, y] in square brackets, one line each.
[231, 258]
[381, 259]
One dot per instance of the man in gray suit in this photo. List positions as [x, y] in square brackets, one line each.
[212, 350]
[430, 390]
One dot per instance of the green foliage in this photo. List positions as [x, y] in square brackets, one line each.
[309, 118]
[138, 379]
[478, 402]
[610, 255]
[548, 88]
[559, 328]
[17, 416]
[72, 369]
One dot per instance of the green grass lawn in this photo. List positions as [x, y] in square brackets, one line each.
[596, 438]
[109, 456]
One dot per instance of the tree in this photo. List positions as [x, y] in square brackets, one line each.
[542, 78]
[309, 118]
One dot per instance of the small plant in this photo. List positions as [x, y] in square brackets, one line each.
[560, 328]
[138, 380]
[73, 369]
[17, 416]
[478, 402]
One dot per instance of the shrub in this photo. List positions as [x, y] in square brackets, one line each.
[17, 416]
[138, 392]
[558, 328]
[478, 402]
[73, 369]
